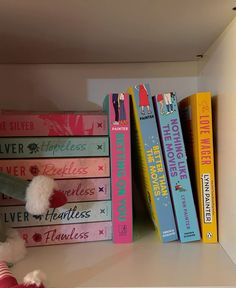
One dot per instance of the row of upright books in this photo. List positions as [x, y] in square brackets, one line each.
[175, 183]
[142, 140]
[179, 191]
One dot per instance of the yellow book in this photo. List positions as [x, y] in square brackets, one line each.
[196, 116]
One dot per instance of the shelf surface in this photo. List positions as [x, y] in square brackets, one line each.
[106, 31]
[144, 263]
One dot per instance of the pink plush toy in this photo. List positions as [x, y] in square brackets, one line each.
[39, 195]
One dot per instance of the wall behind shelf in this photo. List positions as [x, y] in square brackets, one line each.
[83, 86]
[217, 73]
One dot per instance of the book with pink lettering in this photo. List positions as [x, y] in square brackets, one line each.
[57, 168]
[66, 234]
[16, 123]
[76, 190]
[117, 106]
[70, 213]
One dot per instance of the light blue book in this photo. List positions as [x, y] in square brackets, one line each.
[167, 116]
[56, 147]
[150, 163]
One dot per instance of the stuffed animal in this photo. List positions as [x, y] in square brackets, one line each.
[39, 195]
[31, 280]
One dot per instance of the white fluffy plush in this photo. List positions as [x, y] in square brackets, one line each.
[13, 249]
[36, 277]
[38, 194]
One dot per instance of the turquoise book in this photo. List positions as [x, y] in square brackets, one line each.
[54, 147]
[168, 121]
[150, 165]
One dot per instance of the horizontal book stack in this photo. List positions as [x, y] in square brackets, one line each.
[72, 148]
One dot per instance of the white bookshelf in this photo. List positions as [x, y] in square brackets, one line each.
[67, 55]
[144, 263]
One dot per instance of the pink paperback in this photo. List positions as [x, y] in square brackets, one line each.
[14, 123]
[57, 168]
[65, 234]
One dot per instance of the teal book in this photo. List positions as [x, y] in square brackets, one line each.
[168, 120]
[47, 147]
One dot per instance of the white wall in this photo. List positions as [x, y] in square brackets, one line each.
[83, 87]
[218, 74]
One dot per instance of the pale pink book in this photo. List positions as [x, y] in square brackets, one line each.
[76, 190]
[16, 123]
[66, 234]
[57, 168]
[117, 104]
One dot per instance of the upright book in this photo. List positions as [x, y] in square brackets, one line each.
[196, 114]
[150, 163]
[167, 116]
[118, 107]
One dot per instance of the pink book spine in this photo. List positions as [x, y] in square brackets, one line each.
[57, 168]
[53, 124]
[76, 190]
[66, 234]
[119, 129]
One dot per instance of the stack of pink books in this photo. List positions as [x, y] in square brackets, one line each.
[72, 148]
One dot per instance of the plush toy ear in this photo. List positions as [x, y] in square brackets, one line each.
[41, 194]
